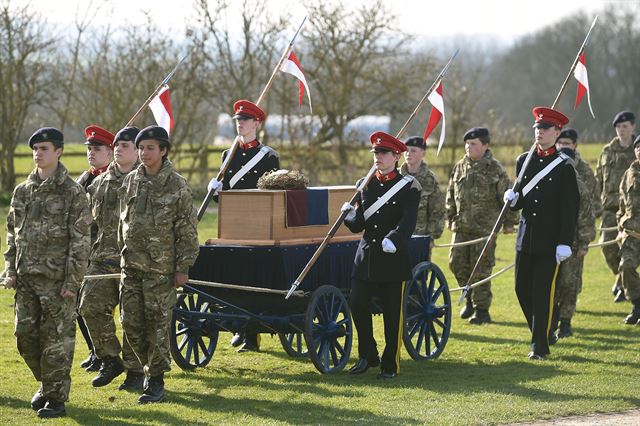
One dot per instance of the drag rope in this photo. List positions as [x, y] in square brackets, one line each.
[483, 281]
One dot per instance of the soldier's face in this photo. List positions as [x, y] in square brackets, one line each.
[98, 156]
[125, 152]
[637, 151]
[45, 155]
[565, 143]
[414, 155]
[625, 130]
[475, 149]
[246, 127]
[385, 161]
[546, 138]
[150, 153]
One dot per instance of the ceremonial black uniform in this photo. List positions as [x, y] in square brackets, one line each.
[244, 154]
[548, 219]
[375, 271]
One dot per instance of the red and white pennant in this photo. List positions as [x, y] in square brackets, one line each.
[292, 66]
[161, 108]
[580, 73]
[437, 111]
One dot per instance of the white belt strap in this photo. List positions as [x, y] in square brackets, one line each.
[386, 197]
[245, 169]
[537, 178]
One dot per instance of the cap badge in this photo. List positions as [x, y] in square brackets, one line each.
[44, 135]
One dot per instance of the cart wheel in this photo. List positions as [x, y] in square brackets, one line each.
[328, 329]
[294, 344]
[427, 312]
[193, 340]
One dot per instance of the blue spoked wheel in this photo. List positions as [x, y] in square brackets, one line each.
[426, 311]
[328, 329]
[294, 344]
[192, 340]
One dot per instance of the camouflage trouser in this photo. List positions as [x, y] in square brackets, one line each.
[612, 251]
[630, 259]
[46, 333]
[146, 303]
[463, 259]
[98, 300]
[568, 286]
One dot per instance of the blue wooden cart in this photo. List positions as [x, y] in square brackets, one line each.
[242, 288]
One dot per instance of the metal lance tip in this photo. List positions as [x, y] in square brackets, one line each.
[293, 288]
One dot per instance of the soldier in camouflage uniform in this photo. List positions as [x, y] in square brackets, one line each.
[158, 237]
[431, 208]
[629, 227]
[99, 143]
[614, 160]
[98, 298]
[473, 204]
[46, 258]
[569, 280]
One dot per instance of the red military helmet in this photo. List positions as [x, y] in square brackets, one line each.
[547, 117]
[247, 109]
[381, 141]
[96, 135]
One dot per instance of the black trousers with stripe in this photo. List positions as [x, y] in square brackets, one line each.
[390, 294]
[535, 285]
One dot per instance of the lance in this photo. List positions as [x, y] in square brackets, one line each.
[236, 141]
[365, 182]
[155, 92]
[516, 184]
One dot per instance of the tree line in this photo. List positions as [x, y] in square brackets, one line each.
[356, 59]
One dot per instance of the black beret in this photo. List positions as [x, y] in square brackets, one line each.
[623, 116]
[47, 134]
[637, 141]
[569, 152]
[476, 132]
[126, 134]
[152, 132]
[569, 134]
[416, 141]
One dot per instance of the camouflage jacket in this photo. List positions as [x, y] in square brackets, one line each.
[586, 223]
[431, 208]
[614, 160]
[584, 172]
[158, 228]
[48, 229]
[629, 210]
[474, 195]
[105, 209]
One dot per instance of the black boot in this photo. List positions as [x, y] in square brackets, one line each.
[38, 401]
[90, 360]
[634, 316]
[363, 365]
[565, 329]
[95, 365]
[467, 310]
[481, 316]
[153, 390]
[52, 409]
[619, 297]
[250, 343]
[110, 369]
[133, 382]
[237, 339]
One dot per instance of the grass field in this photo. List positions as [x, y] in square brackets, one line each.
[483, 376]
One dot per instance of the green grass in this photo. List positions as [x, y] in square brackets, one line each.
[483, 376]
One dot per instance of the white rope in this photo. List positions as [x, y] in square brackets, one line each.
[611, 228]
[463, 243]
[476, 284]
[603, 244]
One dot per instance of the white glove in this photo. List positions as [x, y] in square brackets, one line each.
[347, 207]
[388, 246]
[510, 196]
[563, 252]
[214, 185]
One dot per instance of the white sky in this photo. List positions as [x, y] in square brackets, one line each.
[431, 18]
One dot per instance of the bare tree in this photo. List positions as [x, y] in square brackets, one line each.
[25, 48]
